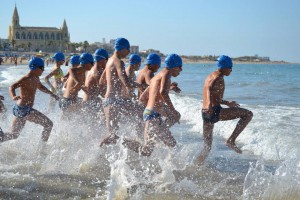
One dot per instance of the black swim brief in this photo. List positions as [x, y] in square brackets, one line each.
[214, 117]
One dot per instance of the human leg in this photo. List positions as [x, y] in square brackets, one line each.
[235, 113]
[164, 134]
[133, 110]
[41, 119]
[51, 106]
[17, 126]
[111, 116]
[1, 135]
[207, 137]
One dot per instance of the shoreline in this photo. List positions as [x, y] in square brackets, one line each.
[186, 61]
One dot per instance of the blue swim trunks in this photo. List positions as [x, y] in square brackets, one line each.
[64, 103]
[150, 114]
[21, 111]
[113, 102]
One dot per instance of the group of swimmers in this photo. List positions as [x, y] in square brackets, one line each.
[109, 93]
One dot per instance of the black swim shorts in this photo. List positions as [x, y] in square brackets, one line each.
[214, 117]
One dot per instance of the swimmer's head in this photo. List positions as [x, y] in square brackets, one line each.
[58, 57]
[153, 59]
[174, 64]
[134, 59]
[87, 60]
[35, 63]
[74, 60]
[122, 43]
[224, 62]
[100, 54]
[173, 61]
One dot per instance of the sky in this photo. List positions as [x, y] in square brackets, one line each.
[186, 27]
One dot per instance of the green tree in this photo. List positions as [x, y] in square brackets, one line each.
[13, 43]
[29, 46]
[49, 45]
[23, 46]
[85, 45]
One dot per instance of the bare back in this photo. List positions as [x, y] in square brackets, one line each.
[143, 78]
[155, 100]
[113, 81]
[28, 86]
[72, 88]
[92, 83]
[213, 90]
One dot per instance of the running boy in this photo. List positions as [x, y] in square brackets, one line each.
[57, 73]
[92, 103]
[69, 103]
[153, 62]
[115, 83]
[23, 110]
[157, 99]
[212, 112]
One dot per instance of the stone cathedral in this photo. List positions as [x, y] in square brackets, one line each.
[29, 38]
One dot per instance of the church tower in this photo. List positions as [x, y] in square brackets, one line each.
[15, 24]
[15, 18]
[65, 32]
[36, 38]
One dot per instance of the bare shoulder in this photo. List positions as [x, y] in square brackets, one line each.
[55, 70]
[25, 78]
[141, 73]
[111, 62]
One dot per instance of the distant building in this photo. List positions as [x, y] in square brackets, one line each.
[134, 49]
[112, 43]
[146, 52]
[37, 38]
[4, 44]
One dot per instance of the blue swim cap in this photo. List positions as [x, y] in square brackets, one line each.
[100, 54]
[172, 61]
[153, 59]
[224, 62]
[58, 56]
[74, 60]
[134, 59]
[121, 43]
[35, 62]
[86, 58]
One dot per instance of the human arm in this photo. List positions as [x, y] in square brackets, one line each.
[164, 93]
[148, 78]
[53, 73]
[65, 77]
[42, 88]
[12, 89]
[102, 83]
[78, 84]
[144, 96]
[221, 87]
[122, 76]
[174, 87]
[231, 104]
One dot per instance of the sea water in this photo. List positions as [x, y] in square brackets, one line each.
[71, 165]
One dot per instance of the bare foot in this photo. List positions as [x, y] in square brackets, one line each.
[233, 147]
[200, 160]
[112, 139]
[131, 144]
[1, 135]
